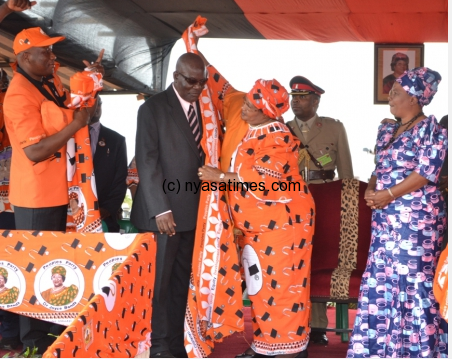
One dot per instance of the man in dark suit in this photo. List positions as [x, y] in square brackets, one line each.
[168, 154]
[109, 152]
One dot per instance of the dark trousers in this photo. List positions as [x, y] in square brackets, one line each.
[35, 332]
[41, 219]
[9, 324]
[9, 321]
[112, 224]
[172, 276]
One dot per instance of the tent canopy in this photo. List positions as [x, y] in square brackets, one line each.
[138, 35]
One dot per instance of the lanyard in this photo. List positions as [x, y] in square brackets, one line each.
[56, 98]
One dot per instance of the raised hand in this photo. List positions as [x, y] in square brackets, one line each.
[20, 5]
[96, 65]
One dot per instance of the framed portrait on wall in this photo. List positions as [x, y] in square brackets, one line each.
[391, 60]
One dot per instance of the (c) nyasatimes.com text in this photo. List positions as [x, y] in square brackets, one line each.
[195, 187]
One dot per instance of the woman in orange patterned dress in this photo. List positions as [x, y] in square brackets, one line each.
[271, 205]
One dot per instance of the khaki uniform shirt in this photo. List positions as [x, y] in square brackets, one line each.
[326, 137]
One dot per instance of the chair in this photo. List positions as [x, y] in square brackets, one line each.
[125, 226]
[338, 262]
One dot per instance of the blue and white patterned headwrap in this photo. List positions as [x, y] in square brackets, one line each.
[420, 82]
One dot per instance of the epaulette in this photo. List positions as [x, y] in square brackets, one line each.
[329, 118]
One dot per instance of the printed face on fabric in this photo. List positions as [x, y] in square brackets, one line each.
[399, 101]
[41, 61]
[57, 280]
[184, 81]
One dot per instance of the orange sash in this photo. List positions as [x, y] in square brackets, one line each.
[215, 295]
[83, 209]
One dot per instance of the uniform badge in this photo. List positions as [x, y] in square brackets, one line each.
[319, 124]
[102, 143]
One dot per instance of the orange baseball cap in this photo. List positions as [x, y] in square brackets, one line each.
[33, 37]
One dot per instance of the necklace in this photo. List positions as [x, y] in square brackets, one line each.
[399, 126]
[261, 125]
[411, 121]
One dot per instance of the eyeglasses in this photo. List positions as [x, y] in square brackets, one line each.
[192, 81]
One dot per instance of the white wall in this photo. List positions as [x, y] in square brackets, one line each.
[345, 70]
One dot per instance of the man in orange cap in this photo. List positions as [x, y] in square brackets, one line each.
[9, 321]
[326, 141]
[39, 125]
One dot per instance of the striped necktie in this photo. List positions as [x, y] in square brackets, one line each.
[194, 126]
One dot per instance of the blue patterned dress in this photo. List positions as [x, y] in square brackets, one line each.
[397, 313]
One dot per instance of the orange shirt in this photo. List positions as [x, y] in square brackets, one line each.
[30, 117]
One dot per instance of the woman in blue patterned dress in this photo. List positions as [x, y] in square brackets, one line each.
[397, 313]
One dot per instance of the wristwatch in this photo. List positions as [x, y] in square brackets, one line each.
[222, 175]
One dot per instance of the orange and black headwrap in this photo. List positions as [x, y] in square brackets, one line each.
[271, 97]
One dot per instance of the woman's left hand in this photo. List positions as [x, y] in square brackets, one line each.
[381, 199]
[207, 173]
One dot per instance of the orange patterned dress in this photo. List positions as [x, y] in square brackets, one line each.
[276, 215]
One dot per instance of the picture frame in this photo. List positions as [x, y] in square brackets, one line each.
[390, 62]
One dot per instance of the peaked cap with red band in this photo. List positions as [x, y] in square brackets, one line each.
[302, 86]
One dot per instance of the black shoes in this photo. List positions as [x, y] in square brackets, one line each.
[255, 355]
[10, 343]
[318, 338]
[302, 354]
[164, 354]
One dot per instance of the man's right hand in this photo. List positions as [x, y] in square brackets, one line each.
[83, 115]
[20, 5]
[166, 224]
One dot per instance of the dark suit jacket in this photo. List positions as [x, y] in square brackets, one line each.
[110, 169]
[166, 155]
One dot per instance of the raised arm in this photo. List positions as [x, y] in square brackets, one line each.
[11, 6]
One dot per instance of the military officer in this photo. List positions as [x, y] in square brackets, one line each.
[327, 148]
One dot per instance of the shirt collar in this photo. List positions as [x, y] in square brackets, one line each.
[185, 105]
[95, 126]
[309, 122]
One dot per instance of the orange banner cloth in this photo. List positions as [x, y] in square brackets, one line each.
[53, 276]
[215, 294]
[116, 322]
